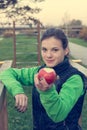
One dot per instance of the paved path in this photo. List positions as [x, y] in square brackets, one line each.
[79, 52]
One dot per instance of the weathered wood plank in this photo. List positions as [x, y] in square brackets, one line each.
[4, 66]
[2, 95]
[79, 67]
[77, 61]
[1, 62]
[3, 107]
[84, 71]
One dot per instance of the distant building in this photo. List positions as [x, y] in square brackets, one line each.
[72, 31]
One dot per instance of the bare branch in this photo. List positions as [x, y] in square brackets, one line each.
[5, 3]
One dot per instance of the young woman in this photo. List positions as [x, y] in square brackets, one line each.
[57, 106]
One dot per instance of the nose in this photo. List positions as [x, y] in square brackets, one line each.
[49, 54]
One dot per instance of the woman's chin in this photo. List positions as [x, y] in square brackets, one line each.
[50, 65]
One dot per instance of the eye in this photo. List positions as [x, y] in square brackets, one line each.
[55, 49]
[44, 49]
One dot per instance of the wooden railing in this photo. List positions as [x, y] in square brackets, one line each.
[83, 70]
[3, 108]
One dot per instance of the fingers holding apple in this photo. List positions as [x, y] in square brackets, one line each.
[41, 84]
[45, 78]
[48, 74]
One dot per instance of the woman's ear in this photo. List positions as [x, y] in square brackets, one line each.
[67, 50]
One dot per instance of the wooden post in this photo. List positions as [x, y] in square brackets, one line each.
[14, 42]
[84, 71]
[3, 106]
[38, 40]
[3, 113]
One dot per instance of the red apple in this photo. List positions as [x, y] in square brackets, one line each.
[48, 73]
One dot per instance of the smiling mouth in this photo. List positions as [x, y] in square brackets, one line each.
[50, 61]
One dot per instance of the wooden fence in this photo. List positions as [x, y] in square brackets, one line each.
[83, 70]
[3, 109]
[32, 32]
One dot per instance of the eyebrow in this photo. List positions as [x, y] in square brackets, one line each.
[50, 48]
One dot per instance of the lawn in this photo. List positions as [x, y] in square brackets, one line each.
[26, 45]
[6, 49]
[78, 41]
[17, 120]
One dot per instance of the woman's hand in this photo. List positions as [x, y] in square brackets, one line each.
[41, 84]
[21, 102]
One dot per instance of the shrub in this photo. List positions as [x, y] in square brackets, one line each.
[8, 33]
[83, 33]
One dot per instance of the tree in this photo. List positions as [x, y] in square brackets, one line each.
[71, 27]
[12, 9]
[83, 33]
[6, 3]
[75, 22]
[65, 20]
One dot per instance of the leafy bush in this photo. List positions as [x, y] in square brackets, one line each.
[83, 33]
[8, 33]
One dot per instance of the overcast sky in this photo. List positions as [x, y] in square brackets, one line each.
[54, 11]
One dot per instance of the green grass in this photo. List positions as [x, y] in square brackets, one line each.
[26, 46]
[78, 41]
[17, 120]
[6, 49]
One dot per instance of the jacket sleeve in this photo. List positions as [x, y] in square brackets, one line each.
[59, 105]
[14, 79]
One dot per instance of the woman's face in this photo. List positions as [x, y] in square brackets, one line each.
[52, 51]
